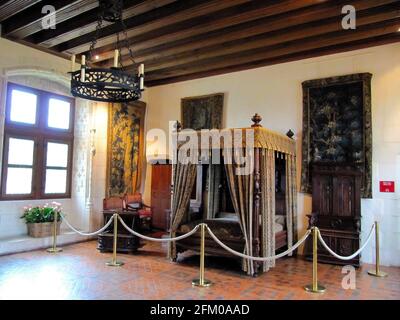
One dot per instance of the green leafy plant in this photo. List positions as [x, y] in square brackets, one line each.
[40, 214]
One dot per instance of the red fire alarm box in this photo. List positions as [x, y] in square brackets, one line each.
[386, 186]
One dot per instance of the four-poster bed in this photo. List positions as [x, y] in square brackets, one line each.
[253, 213]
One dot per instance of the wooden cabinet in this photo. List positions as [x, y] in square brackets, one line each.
[336, 202]
[160, 194]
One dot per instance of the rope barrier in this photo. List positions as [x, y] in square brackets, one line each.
[355, 254]
[242, 255]
[202, 282]
[280, 255]
[158, 239]
[84, 233]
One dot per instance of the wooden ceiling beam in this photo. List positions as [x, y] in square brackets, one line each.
[29, 21]
[272, 38]
[86, 22]
[8, 8]
[148, 21]
[228, 28]
[334, 49]
[285, 48]
[207, 25]
[185, 11]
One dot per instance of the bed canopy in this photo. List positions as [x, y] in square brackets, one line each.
[252, 194]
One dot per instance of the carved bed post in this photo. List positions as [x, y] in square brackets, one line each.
[176, 129]
[257, 197]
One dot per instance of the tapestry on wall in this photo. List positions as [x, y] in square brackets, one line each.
[202, 112]
[125, 148]
[337, 125]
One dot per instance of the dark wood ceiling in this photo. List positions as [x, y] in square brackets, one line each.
[187, 39]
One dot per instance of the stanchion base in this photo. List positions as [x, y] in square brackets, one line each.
[320, 288]
[380, 274]
[54, 250]
[196, 283]
[114, 263]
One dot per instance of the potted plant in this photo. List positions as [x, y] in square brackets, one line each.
[39, 219]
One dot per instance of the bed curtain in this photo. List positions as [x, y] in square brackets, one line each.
[291, 200]
[184, 178]
[241, 191]
[267, 175]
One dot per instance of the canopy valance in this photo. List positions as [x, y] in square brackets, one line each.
[217, 139]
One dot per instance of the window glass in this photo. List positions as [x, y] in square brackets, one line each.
[19, 181]
[20, 151]
[57, 155]
[23, 107]
[56, 181]
[58, 116]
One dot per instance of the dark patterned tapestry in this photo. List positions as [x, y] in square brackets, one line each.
[203, 112]
[337, 125]
[125, 148]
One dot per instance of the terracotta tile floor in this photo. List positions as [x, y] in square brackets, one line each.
[79, 272]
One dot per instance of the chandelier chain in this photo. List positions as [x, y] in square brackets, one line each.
[127, 42]
[94, 41]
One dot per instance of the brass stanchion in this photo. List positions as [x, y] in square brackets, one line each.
[377, 272]
[54, 248]
[201, 282]
[315, 287]
[114, 262]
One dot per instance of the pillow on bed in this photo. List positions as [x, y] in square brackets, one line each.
[277, 227]
[280, 219]
[227, 216]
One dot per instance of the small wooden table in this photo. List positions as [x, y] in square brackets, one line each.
[126, 242]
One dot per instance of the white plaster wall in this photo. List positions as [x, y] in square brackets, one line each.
[275, 92]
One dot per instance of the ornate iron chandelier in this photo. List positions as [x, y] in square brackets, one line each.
[108, 84]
